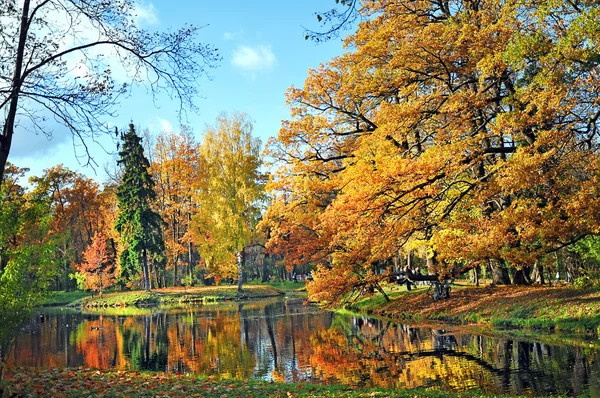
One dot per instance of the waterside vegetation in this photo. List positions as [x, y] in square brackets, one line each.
[181, 295]
[558, 308]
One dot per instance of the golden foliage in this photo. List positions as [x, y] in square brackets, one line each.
[468, 130]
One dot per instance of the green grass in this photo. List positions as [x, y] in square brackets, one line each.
[558, 308]
[177, 296]
[62, 298]
[285, 286]
[78, 382]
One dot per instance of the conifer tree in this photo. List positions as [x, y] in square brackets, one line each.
[138, 225]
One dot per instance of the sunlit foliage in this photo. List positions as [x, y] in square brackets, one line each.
[465, 128]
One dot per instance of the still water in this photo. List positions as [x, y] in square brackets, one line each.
[285, 340]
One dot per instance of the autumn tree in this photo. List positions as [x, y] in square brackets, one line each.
[231, 194]
[467, 129]
[139, 226]
[72, 61]
[97, 272]
[176, 168]
[27, 255]
[77, 213]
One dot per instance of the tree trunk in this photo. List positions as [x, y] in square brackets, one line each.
[176, 256]
[265, 268]
[146, 273]
[521, 276]
[66, 268]
[431, 261]
[537, 275]
[475, 278]
[100, 279]
[9, 123]
[240, 264]
[500, 274]
[190, 258]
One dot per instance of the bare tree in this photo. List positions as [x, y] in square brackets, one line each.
[73, 60]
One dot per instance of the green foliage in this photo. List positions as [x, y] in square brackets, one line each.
[589, 251]
[27, 258]
[137, 223]
[80, 279]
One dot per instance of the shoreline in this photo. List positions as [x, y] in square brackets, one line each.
[502, 308]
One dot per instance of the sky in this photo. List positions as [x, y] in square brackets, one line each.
[264, 52]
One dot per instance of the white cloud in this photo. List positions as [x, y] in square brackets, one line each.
[145, 14]
[165, 126]
[253, 59]
[232, 35]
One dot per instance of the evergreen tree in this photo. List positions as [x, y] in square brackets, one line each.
[138, 225]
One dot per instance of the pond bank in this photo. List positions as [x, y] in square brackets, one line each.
[556, 309]
[166, 296]
[77, 382]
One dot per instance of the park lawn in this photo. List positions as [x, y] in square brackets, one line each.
[556, 308]
[63, 298]
[80, 382]
[177, 295]
[285, 286]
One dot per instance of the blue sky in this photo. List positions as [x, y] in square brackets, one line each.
[264, 53]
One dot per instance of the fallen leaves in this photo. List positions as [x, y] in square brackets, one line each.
[84, 382]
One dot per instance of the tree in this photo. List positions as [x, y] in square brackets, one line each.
[138, 224]
[467, 129]
[97, 271]
[231, 195]
[74, 60]
[27, 255]
[77, 213]
[176, 168]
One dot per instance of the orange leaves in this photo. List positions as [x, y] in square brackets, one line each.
[445, 129]
[98, 266]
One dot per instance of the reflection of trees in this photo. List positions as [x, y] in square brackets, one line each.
[377, 353]
[283, 341]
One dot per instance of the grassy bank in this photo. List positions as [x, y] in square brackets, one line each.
[558, 308]
[78, 382]
[179, 295]
[64, 298]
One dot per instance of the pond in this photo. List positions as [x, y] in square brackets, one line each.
[286, 340]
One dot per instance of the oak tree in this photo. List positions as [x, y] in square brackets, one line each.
[467, 129]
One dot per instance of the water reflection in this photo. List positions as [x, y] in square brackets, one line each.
[287, 341]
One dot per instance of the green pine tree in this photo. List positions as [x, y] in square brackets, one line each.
[138, 225]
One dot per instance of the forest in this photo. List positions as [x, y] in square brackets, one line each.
[452, 140]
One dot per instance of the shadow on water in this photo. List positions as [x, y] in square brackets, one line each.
[288, 341]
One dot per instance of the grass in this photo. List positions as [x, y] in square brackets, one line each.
[63, 298]
[179, 295]
[557, 308]
[77, 382]
[286, 286]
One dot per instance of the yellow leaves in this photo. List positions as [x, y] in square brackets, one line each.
[231, 198]
[462, 132]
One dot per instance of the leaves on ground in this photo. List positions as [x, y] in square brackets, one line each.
[81, 382]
